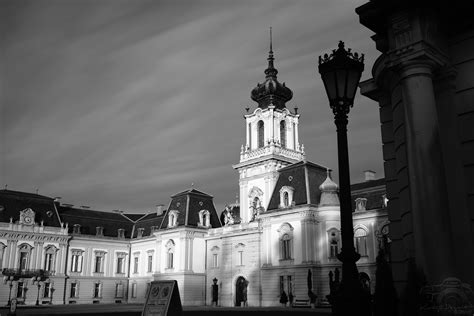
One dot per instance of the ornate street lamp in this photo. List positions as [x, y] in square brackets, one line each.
[8, 279]
[341, 71]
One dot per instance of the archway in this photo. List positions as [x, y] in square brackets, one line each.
[241, 291]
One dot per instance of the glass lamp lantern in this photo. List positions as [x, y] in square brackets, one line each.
[341, 71]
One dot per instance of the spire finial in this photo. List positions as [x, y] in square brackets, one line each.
[328, 173]
[271, 46]
[271, 72]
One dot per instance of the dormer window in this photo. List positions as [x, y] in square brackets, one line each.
[99, 231]
[360, 204]
[204, 219]
[121, 233]
[76, 229]
[140, 232]
[286, 197]
[173, 218]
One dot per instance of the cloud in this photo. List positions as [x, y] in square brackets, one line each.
[120, 104]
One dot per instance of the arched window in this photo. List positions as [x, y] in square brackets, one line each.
[286, 196]
[333, 238]
[286, 252]
[173, 218]
[170, 245]
[286, 241]
[283, 134]
[204, 219]
[24, 256]
[360, 241]
[50, 258]
[261, 134]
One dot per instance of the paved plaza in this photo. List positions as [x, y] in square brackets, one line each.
[135, 310]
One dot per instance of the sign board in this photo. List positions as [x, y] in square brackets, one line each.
[163, 299]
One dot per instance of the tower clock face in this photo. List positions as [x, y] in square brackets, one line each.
[27, 220]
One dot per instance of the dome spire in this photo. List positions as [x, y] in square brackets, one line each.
[270, 72]
[271, 92]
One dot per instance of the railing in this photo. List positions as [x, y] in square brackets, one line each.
[27, 273]
[272, 149]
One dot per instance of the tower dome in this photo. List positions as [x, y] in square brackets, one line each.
[329, 189]
[271, 91]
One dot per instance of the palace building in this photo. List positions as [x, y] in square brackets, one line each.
[282, 235]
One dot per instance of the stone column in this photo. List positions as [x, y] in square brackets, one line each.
[159, 252]
[39, 254]
[7, 254]
[304, 239]
[13, 254]
[429, 201]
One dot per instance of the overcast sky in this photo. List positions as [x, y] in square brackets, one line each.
[121, 104]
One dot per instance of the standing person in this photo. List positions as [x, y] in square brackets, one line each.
[215, 292]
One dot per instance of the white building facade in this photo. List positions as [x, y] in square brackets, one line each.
[282, 236]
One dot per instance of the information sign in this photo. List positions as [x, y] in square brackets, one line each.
[163, 299]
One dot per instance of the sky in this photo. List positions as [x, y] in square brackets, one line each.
[119, 104]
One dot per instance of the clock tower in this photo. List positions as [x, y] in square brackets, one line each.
[272, 142]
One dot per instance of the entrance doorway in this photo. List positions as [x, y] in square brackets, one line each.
[241, 291]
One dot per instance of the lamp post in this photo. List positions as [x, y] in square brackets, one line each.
[9, 280]
[341, 71]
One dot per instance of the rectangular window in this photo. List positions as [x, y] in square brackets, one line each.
[135, 265]
[98, 264]
[290, 285]
[120, 265]
[97, 290]
[170, 260]
[241, 258]
[48, 262]
[119, 290]
[282, 284]
[47, 290]
[73, 290]
[76, 262]
[150, 263]
[215, 262]
[134, 290]
[20, 292]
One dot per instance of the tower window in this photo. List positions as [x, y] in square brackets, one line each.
[333, 238]
[261, 134]
[283, 134]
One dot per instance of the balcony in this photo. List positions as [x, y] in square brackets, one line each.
[272, 149]
[27, 273]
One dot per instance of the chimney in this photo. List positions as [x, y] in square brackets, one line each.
[159, 209]
[369, 175]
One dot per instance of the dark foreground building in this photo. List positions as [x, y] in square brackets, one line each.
[424, 84]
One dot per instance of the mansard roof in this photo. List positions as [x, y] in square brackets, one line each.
[188, 204]
[90, 219]
[13, 202]
[149, 223]
[373, 191]
[305, 178]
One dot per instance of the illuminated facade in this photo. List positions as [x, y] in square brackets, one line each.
[281, 236]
